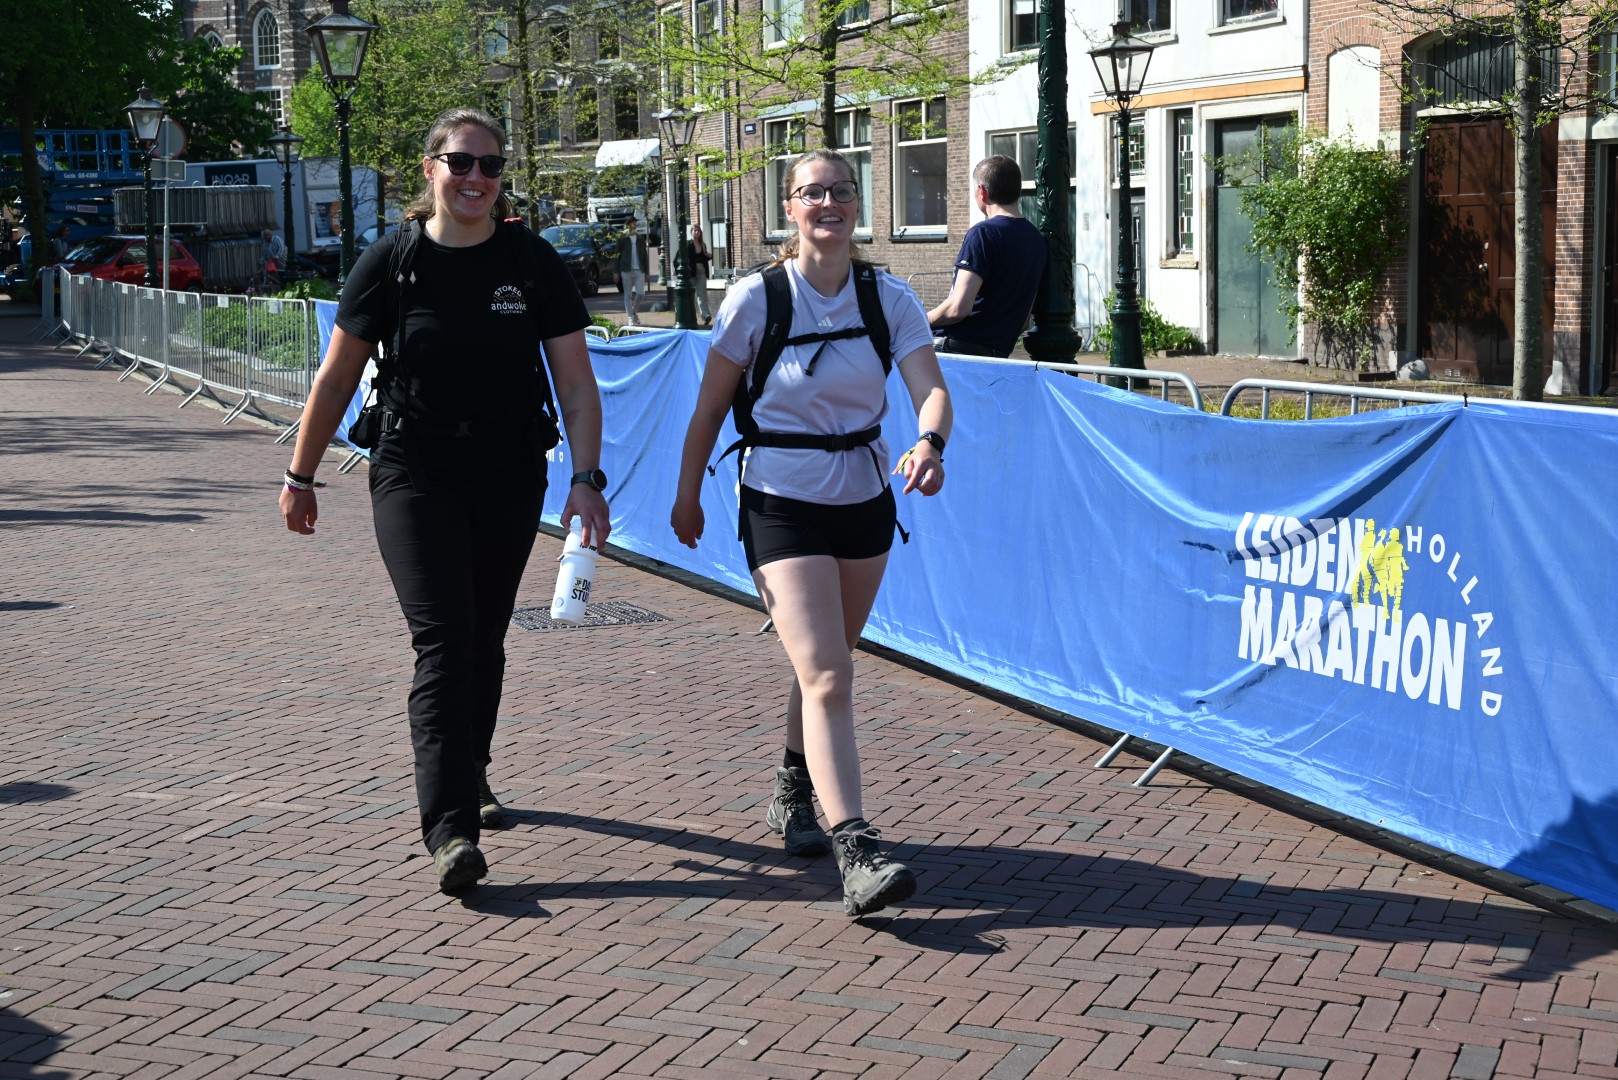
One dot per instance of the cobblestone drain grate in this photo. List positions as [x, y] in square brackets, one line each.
[606, 613]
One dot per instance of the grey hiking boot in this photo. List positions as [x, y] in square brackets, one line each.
[459, 864]
[490, 812]
[792, 813]
[871, 880]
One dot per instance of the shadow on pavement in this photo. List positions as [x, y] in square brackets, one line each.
[28, 1043]
[23, 791]
[972, 896]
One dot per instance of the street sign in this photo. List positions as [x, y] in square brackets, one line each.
[169, 169]
[171, 139]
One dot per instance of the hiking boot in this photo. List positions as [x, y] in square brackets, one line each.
[490, 812]
[871, 880]
[792, 813]
[459, 864]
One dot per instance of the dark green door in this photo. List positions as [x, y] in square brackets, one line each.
[1249, 319]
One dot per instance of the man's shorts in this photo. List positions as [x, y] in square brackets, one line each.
[775, 528]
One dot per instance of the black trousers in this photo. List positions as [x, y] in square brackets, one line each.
[962, 347]
[456, 554]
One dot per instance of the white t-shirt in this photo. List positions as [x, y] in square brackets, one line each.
[846, 392]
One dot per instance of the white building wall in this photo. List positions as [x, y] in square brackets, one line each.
[1220, 68]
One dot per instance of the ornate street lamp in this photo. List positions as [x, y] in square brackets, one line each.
[1121, 64]
[1051, 339]
[679, 127]
[145, 117]
[340, 40]
[285, 146]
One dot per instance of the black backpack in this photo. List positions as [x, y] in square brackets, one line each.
[777, 331]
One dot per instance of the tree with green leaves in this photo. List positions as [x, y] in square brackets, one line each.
[221, 121]
[424, 58]
[76, 63]
[1330, 217]
[831, 52]
[1551, 46]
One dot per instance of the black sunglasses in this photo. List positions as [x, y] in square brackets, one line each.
[460, 164]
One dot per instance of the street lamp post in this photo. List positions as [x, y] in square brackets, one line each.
[1121, 63]
[340, 40]
[285, 145]
[1051, 339]
[679, 126]
[145, 116]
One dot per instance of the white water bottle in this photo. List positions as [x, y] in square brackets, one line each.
[578, 570]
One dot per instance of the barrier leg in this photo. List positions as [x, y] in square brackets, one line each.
[239, 408]
[769, 624]
[134, 365]
[349, 462]
[157, 382]
[1156, 767]
[280, 440]
[1116, 749]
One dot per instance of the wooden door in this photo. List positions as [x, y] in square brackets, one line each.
[1250, 316]
[1467, 249]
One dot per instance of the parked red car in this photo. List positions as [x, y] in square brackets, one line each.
[123, 258]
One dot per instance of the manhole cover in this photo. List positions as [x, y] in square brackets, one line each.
[606, 613]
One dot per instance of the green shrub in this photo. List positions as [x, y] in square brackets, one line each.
[313, 288]
[280, 340]
[1156, 333]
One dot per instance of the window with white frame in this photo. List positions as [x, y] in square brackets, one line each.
[785, 140]
[1022, 25]
[1136, 149]
[671, 32]
[496, 43]
[214, 40]
[1607, 70]
[783, 20]
[706, 19]
[920, 165]
[274, 103]
[547, 116]
[853, 12]
[1238, 11]
[1149, 16]
[1183, 238]
[1023, 148]
[266, 40]
[854, 143]
[713, 207]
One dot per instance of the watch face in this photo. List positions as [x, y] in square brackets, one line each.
[596, 478]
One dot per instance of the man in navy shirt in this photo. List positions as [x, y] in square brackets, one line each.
[997, 271]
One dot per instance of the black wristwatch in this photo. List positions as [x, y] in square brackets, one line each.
[595, 478]
[935, 438]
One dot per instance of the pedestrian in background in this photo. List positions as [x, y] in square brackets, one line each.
[817, 512]
[632, 266]
[458, 474]
[60, 245]
[997, 271]
[699, 264]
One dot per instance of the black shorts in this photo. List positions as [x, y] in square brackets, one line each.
[775, 528]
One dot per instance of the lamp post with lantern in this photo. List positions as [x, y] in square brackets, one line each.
[340, 40]
[285, 146]
[145, 117]
[1121, 63]
[1051, 339]
[679, 127]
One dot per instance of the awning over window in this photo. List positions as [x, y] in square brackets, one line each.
[627, 152]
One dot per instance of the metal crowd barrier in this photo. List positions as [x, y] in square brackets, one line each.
[1357, 394]
[255, 349]
[1124, 378]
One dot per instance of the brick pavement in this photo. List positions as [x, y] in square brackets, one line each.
[209, 844]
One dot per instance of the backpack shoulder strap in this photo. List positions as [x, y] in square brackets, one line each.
[528, 281]
[777, 327]
[868, 293]
[401, 274]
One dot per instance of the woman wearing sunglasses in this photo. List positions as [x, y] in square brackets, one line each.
[817, 524]
[458, 476]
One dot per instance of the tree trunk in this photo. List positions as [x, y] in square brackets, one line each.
[1528, 348]
[530, 119]
[33, 184]
[828, 86]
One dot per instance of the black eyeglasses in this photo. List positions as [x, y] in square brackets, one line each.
[461, 164]
[844, 191]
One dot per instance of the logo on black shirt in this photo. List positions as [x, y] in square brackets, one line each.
[508, 300]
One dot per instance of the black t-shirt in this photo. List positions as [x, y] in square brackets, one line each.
[471, 343]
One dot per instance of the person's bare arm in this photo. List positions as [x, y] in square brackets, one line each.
[958, 304]
[333, 389]
[580, 401]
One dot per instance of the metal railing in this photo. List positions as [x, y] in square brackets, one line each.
[1357, 394]
[1124, 378]
[931, 286]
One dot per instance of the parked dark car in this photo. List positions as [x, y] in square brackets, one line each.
[123, 258]
[587, 253]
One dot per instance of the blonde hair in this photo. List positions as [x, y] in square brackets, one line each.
[448, 124]
[789, 246]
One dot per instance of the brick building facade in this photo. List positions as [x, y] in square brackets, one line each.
[1449, 303]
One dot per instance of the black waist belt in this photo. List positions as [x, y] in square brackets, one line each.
[795, 441]
[394, 423]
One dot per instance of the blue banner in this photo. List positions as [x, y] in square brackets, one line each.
[1394, 615]
[325, 321]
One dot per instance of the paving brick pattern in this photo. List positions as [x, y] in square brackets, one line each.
[209, 845]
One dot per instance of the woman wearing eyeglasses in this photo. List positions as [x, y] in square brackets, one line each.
[462, 304]
[817, 523]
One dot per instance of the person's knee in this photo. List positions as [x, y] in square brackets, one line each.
[829, 686]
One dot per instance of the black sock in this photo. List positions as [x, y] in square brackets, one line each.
[794, 760]
[853, 824]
